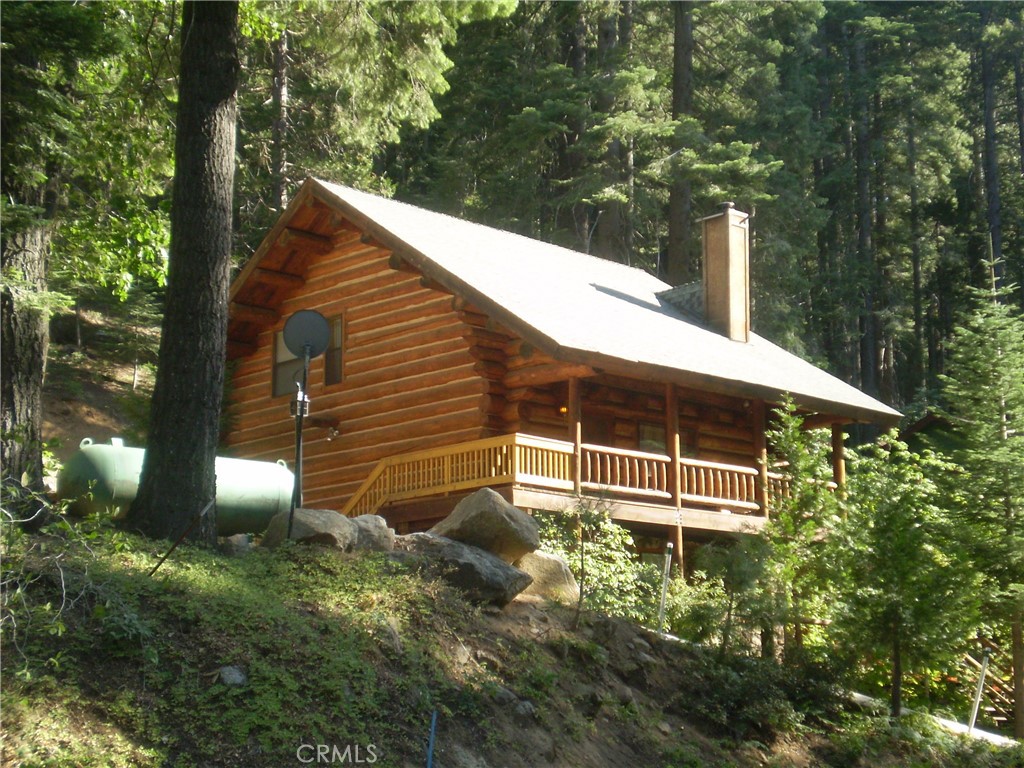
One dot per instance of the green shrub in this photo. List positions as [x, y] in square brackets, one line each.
[602, 557]
[748, 698]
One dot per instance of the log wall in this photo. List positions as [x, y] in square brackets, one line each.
[418, 371]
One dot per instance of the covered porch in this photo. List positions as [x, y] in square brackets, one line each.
[543, 473]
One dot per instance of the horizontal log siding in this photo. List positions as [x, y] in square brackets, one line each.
[488, 342]
[410, 377]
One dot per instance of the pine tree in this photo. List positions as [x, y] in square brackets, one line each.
[178, 477]
[799, 520]
[984, 400]
[905, 594]
[83, 171]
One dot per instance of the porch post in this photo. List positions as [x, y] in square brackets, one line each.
[758, 416]
[677, 551]
[838, 460]
[672, 437]
[576, 434]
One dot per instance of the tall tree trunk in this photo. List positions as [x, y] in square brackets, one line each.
[178, 477]
[678, 264]
[865, 245]
[1017, 630]
[882, 275]
[915, 363]
[279, 154]
[24, 338]
[573, 216]
[612, 234]
[1018, 89]
[824, 298]
[991, 157]
[896, 680]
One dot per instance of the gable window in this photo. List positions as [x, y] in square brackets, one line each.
[287, 368]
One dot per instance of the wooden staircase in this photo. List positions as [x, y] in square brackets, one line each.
[997, 693]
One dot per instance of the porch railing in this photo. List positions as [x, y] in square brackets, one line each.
[542, 463]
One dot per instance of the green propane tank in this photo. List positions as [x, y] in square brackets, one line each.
[249, 493]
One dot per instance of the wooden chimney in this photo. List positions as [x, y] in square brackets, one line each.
[726, 245]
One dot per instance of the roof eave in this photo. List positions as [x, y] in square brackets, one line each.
[883, 416]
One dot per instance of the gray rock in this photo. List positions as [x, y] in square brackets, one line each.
[486, 520]
[551, 577]
[525, 709]
[373, 533]
[504, 696]
[391, 634]
[625, 696]
[639, 644]
[232, 676]
[482, 577]
[313, 526]
[646, 659]
[236, 545]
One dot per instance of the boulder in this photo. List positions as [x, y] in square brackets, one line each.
[332, 529]
[313, 526]
[373, 533]
[481, 576]
[487, 521]
[235, 546]
[232, 676]
[551, 577]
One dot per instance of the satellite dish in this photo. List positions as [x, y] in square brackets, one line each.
[307, 328]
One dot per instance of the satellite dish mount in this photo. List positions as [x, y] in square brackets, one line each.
[306, 335]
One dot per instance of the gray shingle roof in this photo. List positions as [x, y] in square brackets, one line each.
[580, 308]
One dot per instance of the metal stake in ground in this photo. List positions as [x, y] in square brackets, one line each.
[181, 538]
[306, 334]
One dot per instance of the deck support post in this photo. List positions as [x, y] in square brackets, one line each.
[760, 420]
[677, 551]
[576, 434]
[838, 459]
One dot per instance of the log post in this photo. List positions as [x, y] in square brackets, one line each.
[838, 460]
[576, 434]
[759, 418]
[672, 437]
[677, 551]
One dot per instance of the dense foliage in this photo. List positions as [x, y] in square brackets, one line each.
[602, 558]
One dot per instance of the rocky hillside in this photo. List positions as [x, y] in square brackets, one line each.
[283, 657]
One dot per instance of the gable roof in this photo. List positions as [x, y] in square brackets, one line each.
[583, 309]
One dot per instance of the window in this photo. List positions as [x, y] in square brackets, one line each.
[333, 357]
[287, 368]
[652, 438]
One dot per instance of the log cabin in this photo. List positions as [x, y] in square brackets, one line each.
[462, 356]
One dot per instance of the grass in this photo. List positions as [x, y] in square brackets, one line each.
[313, 630]
[105, 665]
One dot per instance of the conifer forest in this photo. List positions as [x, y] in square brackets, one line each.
[878, 145]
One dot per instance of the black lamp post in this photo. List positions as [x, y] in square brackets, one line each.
[306, 334]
